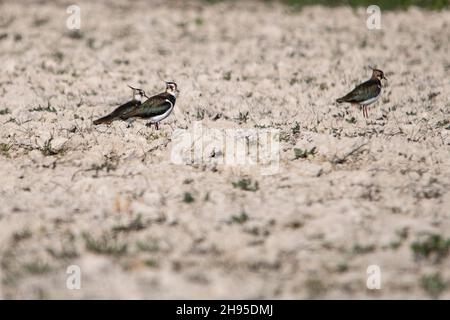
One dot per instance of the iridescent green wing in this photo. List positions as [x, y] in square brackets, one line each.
[154, 106]
[363, 92]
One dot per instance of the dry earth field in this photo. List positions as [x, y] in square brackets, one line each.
[109, 200]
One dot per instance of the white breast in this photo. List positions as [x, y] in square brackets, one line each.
[371, 100]
[164, 115]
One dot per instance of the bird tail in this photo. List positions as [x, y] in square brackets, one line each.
[340, 100]
[107, 119]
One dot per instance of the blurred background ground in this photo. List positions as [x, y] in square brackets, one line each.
[350, 193]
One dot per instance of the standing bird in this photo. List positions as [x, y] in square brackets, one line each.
[366, 93]
[155, 108]
[136, 100]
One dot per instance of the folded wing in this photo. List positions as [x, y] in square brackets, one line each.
[363, 92]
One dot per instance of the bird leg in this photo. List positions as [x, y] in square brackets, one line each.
[149, 124]
[364, 110]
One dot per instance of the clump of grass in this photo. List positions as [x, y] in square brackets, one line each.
[68, 251]
[151, 263]
[40, 21]
[58, 55]
[351, 120]
[200, 114]
[40, 108]
[402, 235]
[243, 117]
[293, 81]
[188, 198]
[75, 34]
[36, 267]
[148, 246]
[303, 153]
[284, 136]
[135, 225]
[433, 284]
[4, 149]
[431, 246]
[106, 244]
[443, 124]
[240, 218]
[4, 111]
[363, 249]
[21, 235]
[342, 267]
[246, 184]
[227, 76]
[48, 150]
[109, 164]
[199, 21]
[296, 128]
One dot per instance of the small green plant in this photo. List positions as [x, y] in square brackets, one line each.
[36, 267]
[444, 124]
[363, 249]
[58, 55]
[4, 111]
[240, 218]
[75, 34]
[285, 136]
[431, 246]
[148, 246]
[67, 251]
[200, 114]
[342, 267]
[109, 164]
[47, 149]
[106, 244]
[433, 284]
[227, 76]
[243, 117]
[151, 263]
[4, 149]
[199, 21]
[40, 108]
[296, 128]
[303, 153]
[22, 235]
[188, 198]
[351, 120]
[246, 184]
[135, 225]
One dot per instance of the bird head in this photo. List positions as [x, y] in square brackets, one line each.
[172, 88]
[378, 74]
[138, 94]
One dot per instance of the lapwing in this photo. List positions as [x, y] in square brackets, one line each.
[366, 93]
[155, 108]
[136, 100]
